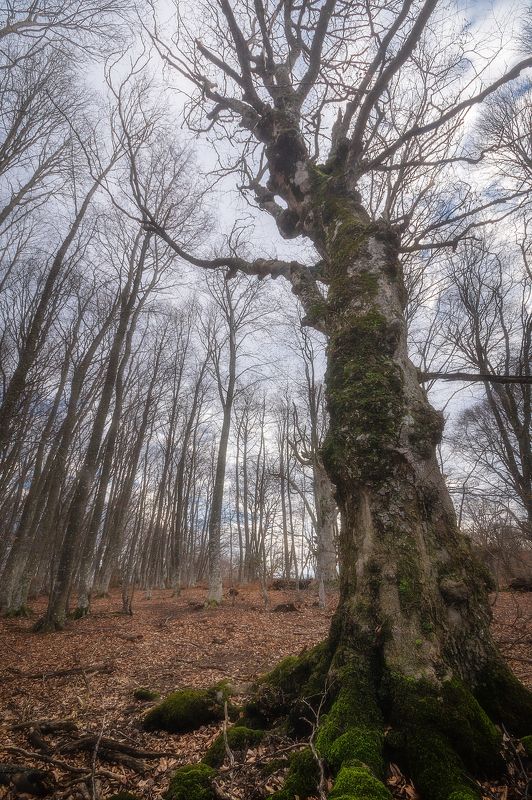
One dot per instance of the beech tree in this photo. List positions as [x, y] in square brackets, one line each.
[346, 117]
[308, 437]
[489, 328]
[234, 310]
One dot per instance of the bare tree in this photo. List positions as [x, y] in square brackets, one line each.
[346, 118]
[488, 324]
[235, 304]
[308, 438]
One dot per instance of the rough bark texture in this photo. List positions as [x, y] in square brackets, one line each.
[410, 645]
[326, 514]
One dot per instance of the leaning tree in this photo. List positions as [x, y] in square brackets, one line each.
[346, 122]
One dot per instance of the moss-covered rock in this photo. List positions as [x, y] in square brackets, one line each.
[239, 738]
[357, 783]
[145, 695]
[192, 782]
[302, 779]
[188, 709]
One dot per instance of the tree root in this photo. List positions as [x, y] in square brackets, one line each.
[27, 779]
[80, 612]
[440, 734]
[505, 699]
[21, 612]
[361, 715]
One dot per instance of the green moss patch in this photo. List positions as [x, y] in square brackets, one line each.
[505, 698]
[438, 735]
[356, 783]
[187, 709]
[145, 695]
[302, 779]
[470, 730]
[239, 738]
[365, 399]
[352, 729]
[192, 782]
[526, 741]
[281, 692]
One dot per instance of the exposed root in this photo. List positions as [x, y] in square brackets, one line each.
[21, 612]
[47, 625]
[441, 735]
[505, 699]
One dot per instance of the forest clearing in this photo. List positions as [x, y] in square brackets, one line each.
[171, 643]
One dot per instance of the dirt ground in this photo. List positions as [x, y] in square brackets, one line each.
[168, 643]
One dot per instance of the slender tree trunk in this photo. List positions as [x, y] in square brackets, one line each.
[215, 520]
[33, 341]
[57, 606]
[89, 543]
[215, 592]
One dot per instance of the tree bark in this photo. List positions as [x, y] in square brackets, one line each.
[410, 643]
[326, 514]
[215, 592]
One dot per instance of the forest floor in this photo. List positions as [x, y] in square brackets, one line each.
[168, 643]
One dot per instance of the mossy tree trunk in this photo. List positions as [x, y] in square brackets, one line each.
[406, 572]
[410, 647]
[410, 644]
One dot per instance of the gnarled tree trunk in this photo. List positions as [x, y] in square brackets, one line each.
[410, 642]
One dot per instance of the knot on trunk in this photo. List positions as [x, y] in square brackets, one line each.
[454, 591]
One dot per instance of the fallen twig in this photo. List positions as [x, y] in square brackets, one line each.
[59, 673]
[88, 741]
[47, 725]
[93, 764]
[56, 762]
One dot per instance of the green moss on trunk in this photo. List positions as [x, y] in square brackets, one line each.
[505, 698]
[365, 401]
[282, 691]
[302, 779]
[357, 783]
[440, 736]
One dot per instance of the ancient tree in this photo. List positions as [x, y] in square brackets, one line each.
[347, 119]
